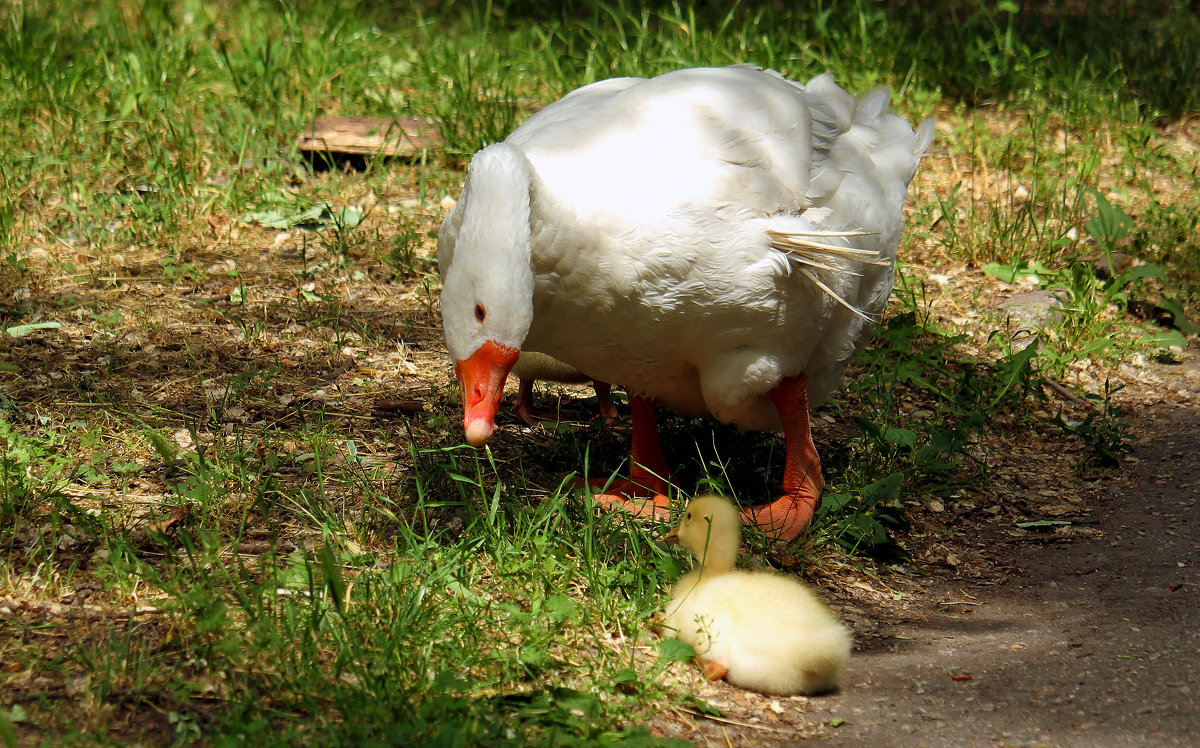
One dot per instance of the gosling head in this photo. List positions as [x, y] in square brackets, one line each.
[711, 530]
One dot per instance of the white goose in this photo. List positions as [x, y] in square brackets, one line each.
[719, 241]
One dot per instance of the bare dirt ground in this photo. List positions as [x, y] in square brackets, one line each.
[1084, 635]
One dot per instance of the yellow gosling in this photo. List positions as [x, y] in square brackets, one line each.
[759, 630]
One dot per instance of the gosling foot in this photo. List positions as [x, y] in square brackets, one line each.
[713, 670]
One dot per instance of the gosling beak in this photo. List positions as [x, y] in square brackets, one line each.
[672, 537]
[481, 380]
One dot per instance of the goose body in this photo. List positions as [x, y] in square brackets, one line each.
[759, 630]
[717, 240]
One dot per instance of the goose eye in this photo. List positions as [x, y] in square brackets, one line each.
[480, 312]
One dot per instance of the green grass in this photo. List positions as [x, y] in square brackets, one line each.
[215, 529]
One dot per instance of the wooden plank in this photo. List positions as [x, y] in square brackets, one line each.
[369, 136]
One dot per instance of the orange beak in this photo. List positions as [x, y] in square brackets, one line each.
[481, 380]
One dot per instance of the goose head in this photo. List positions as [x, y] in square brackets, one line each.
[711, 530]
[487, 283]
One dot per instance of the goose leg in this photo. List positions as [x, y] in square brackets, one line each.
[644, 494]
[525, 411]
[608, 409]
[787, 517]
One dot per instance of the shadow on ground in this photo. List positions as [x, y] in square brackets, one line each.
[1086, 639]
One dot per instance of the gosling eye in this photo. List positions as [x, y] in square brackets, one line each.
[480, 312]
[688, 515]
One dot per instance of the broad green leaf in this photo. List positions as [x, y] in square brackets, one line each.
[832, 503]
[314, 216]
[333, 577]
[1016, 366]
[674, 650]
[577, 702]
[1166, 339]
[8, 733]
[885, 490]
[1043, 523]
[270, 219]
[1017, 271]
[1110, 224]
[1143, 270]
[349, 217]
[703, 707]
[534, 656]
[1181, 321]
[900, 436]
[560, 607]
[1091, 347]
[1006, 273]
[20, 331]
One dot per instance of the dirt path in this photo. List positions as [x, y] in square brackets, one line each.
[1085, 638]
[1092, 642]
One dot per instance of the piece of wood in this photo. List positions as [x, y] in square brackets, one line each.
[368, 136]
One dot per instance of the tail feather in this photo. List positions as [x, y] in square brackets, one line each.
[830, 292]
[806, 255]
[863, 158]
[800, 248]
[873, 105]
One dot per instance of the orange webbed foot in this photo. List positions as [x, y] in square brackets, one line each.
[782, 520]
[787, 517]
[645, 493]
[645, 498]
[656, 507]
